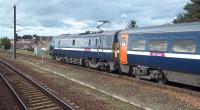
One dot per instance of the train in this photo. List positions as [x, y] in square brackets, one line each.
[162, 53]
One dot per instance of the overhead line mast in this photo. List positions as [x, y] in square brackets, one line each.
[15, 34]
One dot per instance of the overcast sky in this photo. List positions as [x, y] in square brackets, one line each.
[54, 17]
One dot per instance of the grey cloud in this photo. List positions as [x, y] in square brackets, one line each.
[52, 23]
[45, 14]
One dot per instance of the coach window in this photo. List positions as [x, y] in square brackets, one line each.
[73, 42]
[158, 45]
[123, 41]
[184, 46]
[138, 44]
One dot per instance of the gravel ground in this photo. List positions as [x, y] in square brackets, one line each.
[80, 96]
[147, 95]
[7, 100]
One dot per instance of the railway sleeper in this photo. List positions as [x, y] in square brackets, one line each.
[52, 108]
[43, 106]
[28, 90]
[22, 84]
[39, 100]
[30, 94]
[36, 98]
[41, 103]
[26, 87]
[35, 95]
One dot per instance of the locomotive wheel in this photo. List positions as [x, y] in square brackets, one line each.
[137, 76]
[101, 67]
[54, 57]
[119, 69]
[63, 60]
[108, 69]
[87, 64]
[82, 62]
[162, 79]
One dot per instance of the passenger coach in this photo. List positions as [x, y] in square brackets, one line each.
[170, 52]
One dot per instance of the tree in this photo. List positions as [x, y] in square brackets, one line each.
[5, 42]
[86, 32]
[18, 37]
[192, 13]
[36, 38]
[27, 37]
[132, 24]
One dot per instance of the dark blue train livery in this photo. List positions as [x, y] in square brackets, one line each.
[164, 53]
[93, 50]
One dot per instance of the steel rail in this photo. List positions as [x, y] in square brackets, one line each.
[13, 91]
[47, 92]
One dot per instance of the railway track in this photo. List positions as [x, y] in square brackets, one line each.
[184, 94]
[171, 86]
[30, 94]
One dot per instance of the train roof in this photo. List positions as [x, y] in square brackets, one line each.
[85, 35]
[67, 36]
[184, 27]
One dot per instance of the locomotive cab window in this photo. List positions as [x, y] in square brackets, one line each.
[158, 45]
[184, 46]
[138, 44]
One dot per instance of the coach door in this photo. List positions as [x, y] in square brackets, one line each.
[123, 49]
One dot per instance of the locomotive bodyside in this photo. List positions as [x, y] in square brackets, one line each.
[93, 50]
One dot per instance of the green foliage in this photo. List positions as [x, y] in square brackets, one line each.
[132, 24]
[18, 37]
[5, 42]
[27, 37]
[192, 13]
[30, 49]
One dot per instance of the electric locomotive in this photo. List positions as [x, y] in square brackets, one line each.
[89, 50]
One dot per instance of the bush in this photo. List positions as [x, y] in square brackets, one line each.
[6, 43]
[30, 49]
